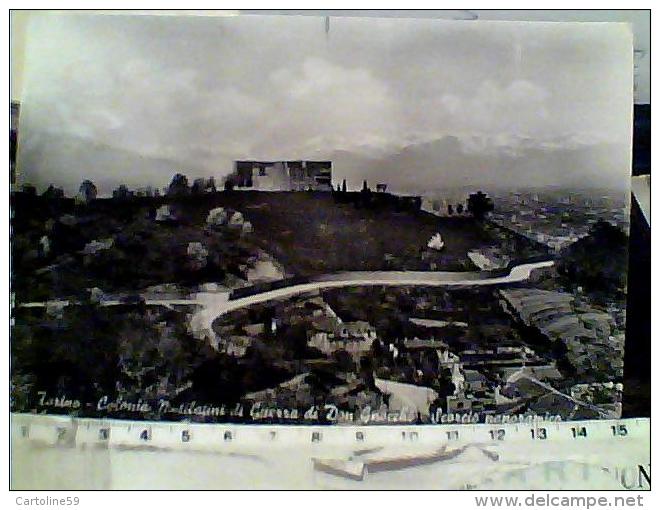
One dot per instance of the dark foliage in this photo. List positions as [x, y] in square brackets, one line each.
[178, 186]
[478, 204]
[598, 261]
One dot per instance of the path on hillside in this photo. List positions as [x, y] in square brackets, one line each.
[392, 278]
[216, 304]
[213, 304]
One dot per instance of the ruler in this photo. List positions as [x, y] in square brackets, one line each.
[51, 430]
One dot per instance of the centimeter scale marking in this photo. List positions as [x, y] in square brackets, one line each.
[50, 430]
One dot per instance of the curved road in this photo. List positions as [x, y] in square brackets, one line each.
[392, 278]
[214, 304]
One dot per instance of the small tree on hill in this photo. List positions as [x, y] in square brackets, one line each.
[122, 192]
[87, 191]
[29, 189]
[179, 185]
[53, 193]
[198, 186]
[478, 204]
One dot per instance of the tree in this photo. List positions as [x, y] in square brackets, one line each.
[450, 209]
[29, 189]
[202, 185]
[459, 208]
[377, 350]
[122, 192]
[344, 360]
[597, 261]
[229, 184]
[178, 186]
[53, 193]
[343, 186]
[87, 191]
[478, 204]
[365, 196]
[199, 186]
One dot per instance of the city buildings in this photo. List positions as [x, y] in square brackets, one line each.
[558, 218]
[353, 337]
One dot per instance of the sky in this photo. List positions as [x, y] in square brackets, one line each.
[420, 104]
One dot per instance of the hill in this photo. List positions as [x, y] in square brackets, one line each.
[307, 233]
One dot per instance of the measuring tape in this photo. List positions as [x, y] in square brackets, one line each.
[51, 430]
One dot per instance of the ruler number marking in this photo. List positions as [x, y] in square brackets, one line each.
[619, 430]
[540, 433]
[497, 434]
[411, 436]
[579, 432]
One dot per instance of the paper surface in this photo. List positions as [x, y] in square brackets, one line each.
[297, 222]
[283, 458]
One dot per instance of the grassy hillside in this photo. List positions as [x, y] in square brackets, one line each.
[308, 233]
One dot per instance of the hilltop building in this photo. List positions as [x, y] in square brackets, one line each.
[283, 175]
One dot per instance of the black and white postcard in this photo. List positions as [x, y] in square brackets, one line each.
[346, 223]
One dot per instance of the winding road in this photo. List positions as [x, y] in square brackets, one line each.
[213, 304]
[517, 274]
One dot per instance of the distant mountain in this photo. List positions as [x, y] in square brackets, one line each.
[451, 163]
[65, 160]
[416, 167]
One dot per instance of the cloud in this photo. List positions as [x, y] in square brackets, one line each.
[501, 113]
[318, 103]
[202, 92]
